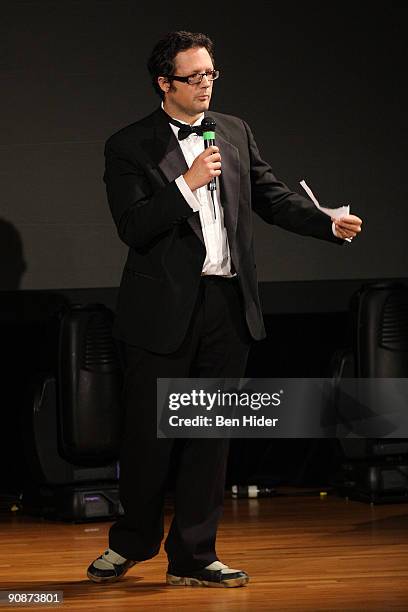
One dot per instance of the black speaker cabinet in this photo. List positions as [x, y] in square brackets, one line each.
[57, 488]
[71, 423]
[376, 470]
[89, 384]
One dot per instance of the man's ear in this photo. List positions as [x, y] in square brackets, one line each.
[164, 83]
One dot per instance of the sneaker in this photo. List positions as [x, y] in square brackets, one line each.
[109, 567]
[214, 575]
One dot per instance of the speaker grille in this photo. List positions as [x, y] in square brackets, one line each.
[393, 331]
[99, 346]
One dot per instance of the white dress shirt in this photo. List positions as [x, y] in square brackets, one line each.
[218, 257]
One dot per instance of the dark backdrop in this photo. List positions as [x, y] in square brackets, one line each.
[323, 87]
[321, 84]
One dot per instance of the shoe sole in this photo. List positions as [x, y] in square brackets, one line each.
[100, 579]
[186, 581]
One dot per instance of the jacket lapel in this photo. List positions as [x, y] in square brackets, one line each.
[229, 183]
[172, 162]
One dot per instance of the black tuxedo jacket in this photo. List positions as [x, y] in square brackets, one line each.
[162, 273]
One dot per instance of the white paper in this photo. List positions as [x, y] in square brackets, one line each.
[334, 213]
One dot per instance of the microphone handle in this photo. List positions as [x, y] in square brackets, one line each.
[210, 142]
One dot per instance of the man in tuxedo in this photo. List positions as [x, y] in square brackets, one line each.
[188, 303]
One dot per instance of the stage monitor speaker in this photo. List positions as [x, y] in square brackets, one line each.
[376, 470]
[380, 315]
[89, 386]
[56, 488]
[71, 422]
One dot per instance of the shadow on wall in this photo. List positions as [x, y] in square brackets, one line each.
[12, 262]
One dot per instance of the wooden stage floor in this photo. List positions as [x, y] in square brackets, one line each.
[302, 553]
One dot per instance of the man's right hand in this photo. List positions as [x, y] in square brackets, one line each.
[205, 167]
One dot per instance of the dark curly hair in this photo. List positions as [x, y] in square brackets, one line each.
[161, 60]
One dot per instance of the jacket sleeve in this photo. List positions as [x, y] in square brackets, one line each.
[273, 201]
[141, 212]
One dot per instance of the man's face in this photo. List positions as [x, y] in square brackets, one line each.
[181, 98]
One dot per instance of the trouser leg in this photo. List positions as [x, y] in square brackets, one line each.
[222, 352]
[144, 459]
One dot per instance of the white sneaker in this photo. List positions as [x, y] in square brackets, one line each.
[110, 566]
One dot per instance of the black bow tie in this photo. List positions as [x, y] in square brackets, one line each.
[185, 130]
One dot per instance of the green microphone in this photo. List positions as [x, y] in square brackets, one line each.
[208, 124]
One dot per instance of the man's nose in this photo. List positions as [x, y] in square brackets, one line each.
[205, 81]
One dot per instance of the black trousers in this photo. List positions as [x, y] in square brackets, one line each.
[216, 345]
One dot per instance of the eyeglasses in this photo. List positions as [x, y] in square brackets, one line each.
[196, 78]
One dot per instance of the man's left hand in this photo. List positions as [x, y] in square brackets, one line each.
[348, 226]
